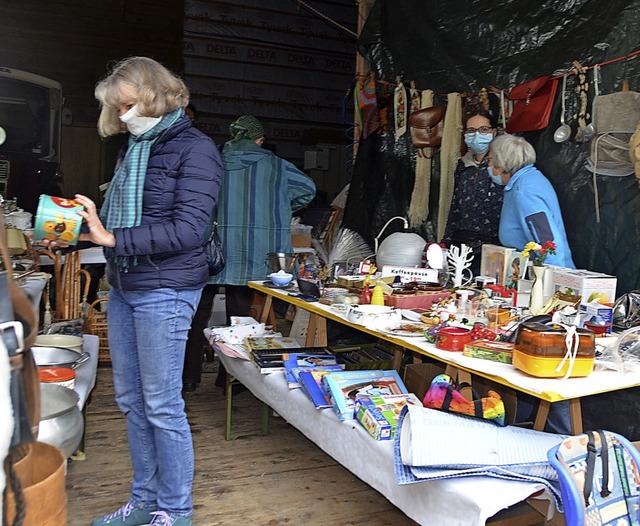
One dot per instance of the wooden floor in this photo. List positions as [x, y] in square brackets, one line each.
[278, 479]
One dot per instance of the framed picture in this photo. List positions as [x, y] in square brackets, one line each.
[498, 262]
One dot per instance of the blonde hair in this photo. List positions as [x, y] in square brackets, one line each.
[159, 92]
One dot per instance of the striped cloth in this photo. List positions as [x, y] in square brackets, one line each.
[258, 195]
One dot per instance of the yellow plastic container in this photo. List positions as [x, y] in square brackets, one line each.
[539, 350]
[545, 367]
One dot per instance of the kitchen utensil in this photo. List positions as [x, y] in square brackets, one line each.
[280, 278]
[453, 338]
[57, 218]
[60, 340]
[563, 133]
[61, 421]
[590, 129]
[58, 356]
[281, 261]
[374, 316]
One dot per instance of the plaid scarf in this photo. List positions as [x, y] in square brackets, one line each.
[123, 202]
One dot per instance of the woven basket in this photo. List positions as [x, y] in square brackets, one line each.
[96, 323]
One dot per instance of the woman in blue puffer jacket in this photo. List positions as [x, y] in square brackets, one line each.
[152, 225]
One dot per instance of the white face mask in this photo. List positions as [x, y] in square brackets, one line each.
[138, 125]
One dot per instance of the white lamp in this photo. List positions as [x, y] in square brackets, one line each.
[403, 249]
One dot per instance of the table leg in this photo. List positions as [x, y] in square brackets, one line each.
[266, 309]
[398, 353]
[541, 415]
[317, 325]
[229, 408]
[575, 410]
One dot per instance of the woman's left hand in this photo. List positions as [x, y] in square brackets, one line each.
[98, 234]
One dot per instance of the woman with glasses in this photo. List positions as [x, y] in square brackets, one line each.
[474, 215]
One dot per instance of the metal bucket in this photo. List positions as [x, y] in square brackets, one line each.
[281, 261]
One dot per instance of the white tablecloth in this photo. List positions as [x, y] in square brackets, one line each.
[461, 502]
[86, 372]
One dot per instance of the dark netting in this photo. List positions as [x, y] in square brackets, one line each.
[462, 45]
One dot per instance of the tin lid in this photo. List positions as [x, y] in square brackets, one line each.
[56, 374]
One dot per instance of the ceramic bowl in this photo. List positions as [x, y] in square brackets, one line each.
[280, 279]
[60, 340]
[453, 338]
[597, 328]
[377, 317]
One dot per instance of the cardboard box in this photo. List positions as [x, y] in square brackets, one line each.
[418, 377]
[587, 310]
[301, 235]
[590, 285]
[495, 351]
[379, 414]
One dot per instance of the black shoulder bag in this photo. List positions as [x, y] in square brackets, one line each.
[213, 248]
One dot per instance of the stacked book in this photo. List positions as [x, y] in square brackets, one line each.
[346, 386]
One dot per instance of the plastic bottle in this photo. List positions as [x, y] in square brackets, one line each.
[377, 298]
[365, 295]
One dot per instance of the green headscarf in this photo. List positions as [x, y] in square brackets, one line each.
[246, 127]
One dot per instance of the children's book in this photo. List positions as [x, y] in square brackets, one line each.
[272, 359]
[311, 384]
[301, 361]
[270, 342]
[379, 414]
[345, 386]
[268, 361]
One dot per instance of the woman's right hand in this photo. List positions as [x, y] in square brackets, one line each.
[98, 234]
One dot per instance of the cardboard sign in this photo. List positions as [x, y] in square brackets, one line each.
[408, 274]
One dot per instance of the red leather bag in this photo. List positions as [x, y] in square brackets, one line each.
[533, 101]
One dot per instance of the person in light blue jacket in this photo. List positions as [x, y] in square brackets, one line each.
[530, 212]
[530, 208]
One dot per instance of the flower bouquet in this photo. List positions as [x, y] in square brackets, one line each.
[537, 252]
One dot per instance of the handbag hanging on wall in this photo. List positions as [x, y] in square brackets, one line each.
[532, 103]
[426, 127]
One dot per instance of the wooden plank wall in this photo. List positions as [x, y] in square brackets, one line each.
[288, 66]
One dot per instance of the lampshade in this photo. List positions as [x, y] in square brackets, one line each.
[403, 249]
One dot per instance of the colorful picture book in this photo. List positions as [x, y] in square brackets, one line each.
[302, 361]
[344, 387]
[270, 342]
[270, 360]
[379, 414]
[311, 384]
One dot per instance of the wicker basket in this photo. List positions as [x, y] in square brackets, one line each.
[96, 323]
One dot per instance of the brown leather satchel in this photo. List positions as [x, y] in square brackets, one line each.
[426, 127]
[18, 330]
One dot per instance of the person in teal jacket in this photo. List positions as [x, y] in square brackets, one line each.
[530, 208]
[259, 193]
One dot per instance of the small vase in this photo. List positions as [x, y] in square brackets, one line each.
[536, 302]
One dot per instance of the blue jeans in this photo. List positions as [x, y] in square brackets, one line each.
[147, 337]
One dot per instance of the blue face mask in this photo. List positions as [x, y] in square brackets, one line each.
[495, 178]
[478, 142]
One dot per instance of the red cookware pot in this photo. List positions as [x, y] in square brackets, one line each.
[453, 338]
